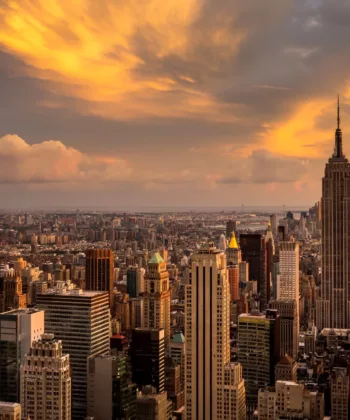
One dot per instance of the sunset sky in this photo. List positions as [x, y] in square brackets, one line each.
[130, 103]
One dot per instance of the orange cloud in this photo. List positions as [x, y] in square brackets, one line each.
[52, 161]
[91, 50]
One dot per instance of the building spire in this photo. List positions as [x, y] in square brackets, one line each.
[338, 148]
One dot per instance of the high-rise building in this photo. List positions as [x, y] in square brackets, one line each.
[222, 243]
[269, 255]
[151, 405]
[233, 252]
[10, 411]
[18, 329]
[46, 381]
[289, 319]
[157, 297]
[11, 295]
[253, 251]
[340, 395]
[274, 224]
[178, 353]
[81, 319]
[110, 396]
[100, 271]
[288, 279]
[333, 307]
[258, 351]
[214, 386]
[135, 281]
[148, 358]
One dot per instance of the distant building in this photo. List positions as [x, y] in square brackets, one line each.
[135, 281]
[11, 295]
[231, 226]
[10, 411]
[152, 406]
[18, 329]
[286, 369]
[253, 251]
[100, 271]
[46, 381]
[157, 297]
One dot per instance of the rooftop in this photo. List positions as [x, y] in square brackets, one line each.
[178, 338]
[156, 259]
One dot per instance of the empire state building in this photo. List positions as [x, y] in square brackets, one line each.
[333, 307]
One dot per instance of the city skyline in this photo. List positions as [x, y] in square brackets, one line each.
[184, 103]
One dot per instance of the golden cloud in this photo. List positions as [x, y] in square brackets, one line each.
[91, 50]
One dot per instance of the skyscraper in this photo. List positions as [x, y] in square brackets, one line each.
[46, 381]
[258, 351]
[148, 358]
[100, 271]
[18, 329]
[333, 307]
[135, 281]
[110, 396]
[253, 251]
[340, 393]
[157, 297]
[214, 387]
[81, 320]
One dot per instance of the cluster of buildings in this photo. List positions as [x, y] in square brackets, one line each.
[178, 316]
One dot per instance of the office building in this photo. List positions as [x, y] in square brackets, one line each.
[46, 381]
[340, 393]
[11, 295]
[267, 403]
[157, 297]
[274, 224]
[18, 329]
[286, 369]
[178, 353]
[269, 256]
[258, 351]
[213, 385]
[100, 271]
[288, 278]
[233, 278]
[135, 281]
[10, 411]
[148, 358]
[333, 306]
[289, 320]
[173, 384]
[110, 396]
[233, 252]
[151, 405]
[81, 320]
[253, 252]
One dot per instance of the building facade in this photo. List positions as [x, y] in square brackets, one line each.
[46, 381]
[81, 319]
[157, 297]
[211, 381]
[340, 394]
[333, 305]
[10, 411]
[100, 271]
[18, 329]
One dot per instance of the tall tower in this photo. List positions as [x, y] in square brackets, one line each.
[100, 271]
[333, 307]
[157, 296]
[82, 321]
[46, 381]
[214, 386]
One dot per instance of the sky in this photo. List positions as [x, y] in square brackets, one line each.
[141, 103]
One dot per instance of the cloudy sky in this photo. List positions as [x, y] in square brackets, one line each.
[170, 103]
